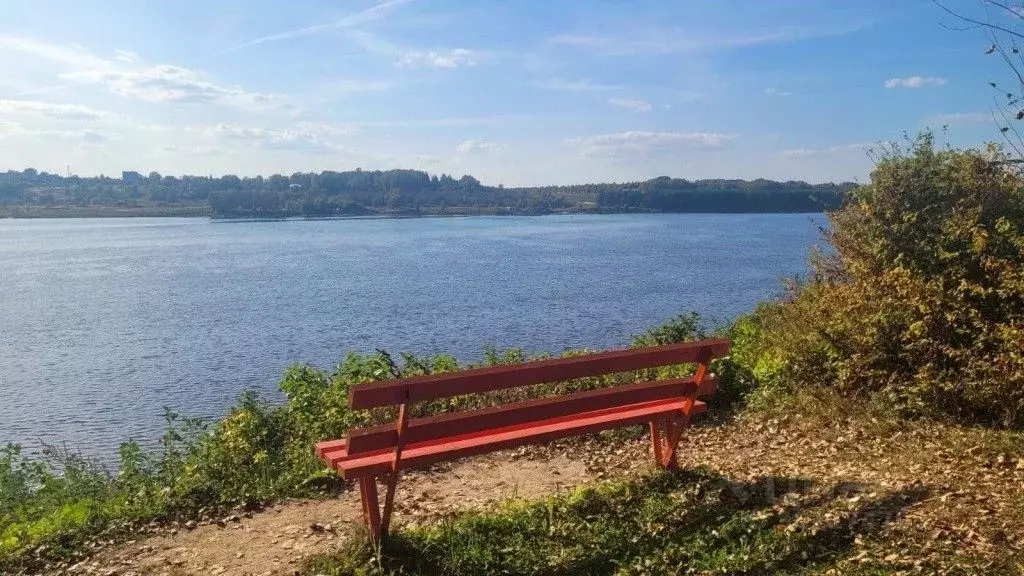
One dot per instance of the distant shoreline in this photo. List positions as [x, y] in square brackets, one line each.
[22, 212]
[36, 211]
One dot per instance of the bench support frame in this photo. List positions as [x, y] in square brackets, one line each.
[668, 431]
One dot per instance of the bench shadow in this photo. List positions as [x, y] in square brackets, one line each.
[668, 522]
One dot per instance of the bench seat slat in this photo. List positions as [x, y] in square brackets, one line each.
[432, 387]
[426, 453]
[364, 440]
[330, 446]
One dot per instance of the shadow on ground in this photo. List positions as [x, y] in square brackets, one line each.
[689, 521]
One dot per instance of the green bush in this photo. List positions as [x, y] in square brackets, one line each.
[921, 306]
[750, 371]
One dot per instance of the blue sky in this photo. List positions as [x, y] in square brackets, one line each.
[519, 93]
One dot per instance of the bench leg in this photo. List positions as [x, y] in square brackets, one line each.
[665, 436]
[371, 507]
[657, 443]
[673, 434]
[389, 502]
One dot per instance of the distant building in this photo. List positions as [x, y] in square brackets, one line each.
[131, 178]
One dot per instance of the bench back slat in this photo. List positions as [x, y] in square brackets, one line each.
[432, 387]
[426, 453]
[384, 436]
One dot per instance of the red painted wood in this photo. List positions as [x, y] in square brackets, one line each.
[655, 429]
[371, 507]
[676, 426]
[426, 453]
[329, 446]
[417, 389]
[363, 440]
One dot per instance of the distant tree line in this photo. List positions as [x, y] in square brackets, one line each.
[360, 192]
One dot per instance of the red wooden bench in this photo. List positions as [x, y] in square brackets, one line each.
[386, 450]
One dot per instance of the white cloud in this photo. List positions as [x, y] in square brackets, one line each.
[575, 85]
[315, 138]
[125, 56]
[914, 82]
[474, 146]
[440, 59]
[166, 83]
[805, 152]
[636, 105]
[638, 142]
[370, 14]
[48, 110]
[777, 92]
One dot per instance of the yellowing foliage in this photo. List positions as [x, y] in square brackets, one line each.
[921, 306]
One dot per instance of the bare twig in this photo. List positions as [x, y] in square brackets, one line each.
[977, 22]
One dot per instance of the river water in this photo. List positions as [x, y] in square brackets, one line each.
[103, 322]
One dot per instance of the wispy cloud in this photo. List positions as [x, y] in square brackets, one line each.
[675, 41]
[370, 14]
[914, 82]
[452, 58]
[645, 143]
[73, 55]
[805, 152]
[196, 150]
[475, 146]
[90, 136]
[439, 122]
[427, 159]
[126, 56]
[348, 86]
[636, 105]
[166, 83]
[777, 92]
[962, 118]
[583, 85]
[312, 138]
[161, 83]
[49, 110]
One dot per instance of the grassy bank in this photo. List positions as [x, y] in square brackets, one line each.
[100, 211]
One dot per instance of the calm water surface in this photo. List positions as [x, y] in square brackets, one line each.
[103, 322]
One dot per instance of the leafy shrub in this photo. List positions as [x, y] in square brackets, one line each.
[750, 367]
[922, 305]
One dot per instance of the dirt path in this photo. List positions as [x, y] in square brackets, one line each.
[275, 540]
[974, 503]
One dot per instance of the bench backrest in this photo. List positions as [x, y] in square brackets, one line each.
[431, 387]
